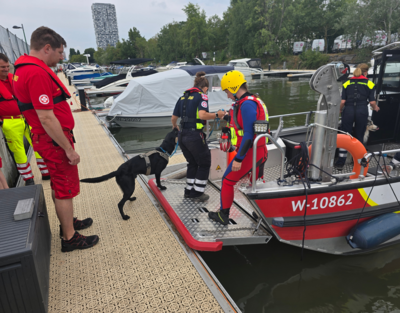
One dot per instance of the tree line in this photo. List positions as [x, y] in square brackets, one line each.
[257, 28]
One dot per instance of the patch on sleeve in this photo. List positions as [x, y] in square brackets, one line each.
[44, 99]
[204, 97]
[204, 104]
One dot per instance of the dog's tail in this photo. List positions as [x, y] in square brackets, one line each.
[99, 179]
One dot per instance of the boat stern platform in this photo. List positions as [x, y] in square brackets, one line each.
[199, 232]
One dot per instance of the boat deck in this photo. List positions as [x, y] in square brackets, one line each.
[138, 265]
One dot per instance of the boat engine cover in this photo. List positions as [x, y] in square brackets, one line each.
[375, 231]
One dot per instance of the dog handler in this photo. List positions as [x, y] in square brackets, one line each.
[245, 112]
[42, 100]
[357, 92]
[192, 108]
[14, 126]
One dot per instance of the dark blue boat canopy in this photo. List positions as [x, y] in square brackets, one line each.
[208, 69]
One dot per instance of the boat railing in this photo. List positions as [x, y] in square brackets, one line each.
[253, 177]
[308, 116]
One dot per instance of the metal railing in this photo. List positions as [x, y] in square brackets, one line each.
[253, 176]
[308, 116]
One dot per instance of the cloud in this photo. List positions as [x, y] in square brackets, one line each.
[162, 4]
[73, 19]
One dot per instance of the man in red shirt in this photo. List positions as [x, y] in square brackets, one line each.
[42, 100]
[14, 126]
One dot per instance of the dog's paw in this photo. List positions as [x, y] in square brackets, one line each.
[132, 199]
[126, 217]
[162, 187]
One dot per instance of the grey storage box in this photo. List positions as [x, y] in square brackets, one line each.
[24, 253]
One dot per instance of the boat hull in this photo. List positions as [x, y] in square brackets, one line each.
[324, 218]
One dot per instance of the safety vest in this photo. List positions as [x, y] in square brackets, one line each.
[184, 117]
[358, 90]
[236, 121]
[29, 60]
[5, 94]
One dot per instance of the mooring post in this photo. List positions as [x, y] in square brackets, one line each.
[82, 98]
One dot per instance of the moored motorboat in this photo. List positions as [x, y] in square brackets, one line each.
[149, 101]
[303, 200]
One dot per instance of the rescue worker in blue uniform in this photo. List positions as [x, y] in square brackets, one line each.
[357, 92]
[192, 108]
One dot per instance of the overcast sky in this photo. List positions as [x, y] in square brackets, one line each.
[72, 19]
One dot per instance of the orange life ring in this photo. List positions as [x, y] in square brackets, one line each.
[355, 148]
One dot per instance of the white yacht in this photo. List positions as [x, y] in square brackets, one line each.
[247, 66]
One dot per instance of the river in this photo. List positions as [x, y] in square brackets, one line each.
[275, 277]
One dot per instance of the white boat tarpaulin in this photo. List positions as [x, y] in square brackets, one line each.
[158, 93]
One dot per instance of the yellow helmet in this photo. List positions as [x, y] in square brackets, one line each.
[232, 81]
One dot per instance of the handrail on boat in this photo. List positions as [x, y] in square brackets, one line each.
[253, 176]
[369, 154]
[308, 117]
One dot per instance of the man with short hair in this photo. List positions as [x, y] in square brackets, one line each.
[14, 126]
[42, 99]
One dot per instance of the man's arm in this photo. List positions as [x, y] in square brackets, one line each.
[174, 119]
[53, 128]
[204, 115]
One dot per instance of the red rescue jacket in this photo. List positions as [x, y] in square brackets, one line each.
[29, 60]
[236, 121]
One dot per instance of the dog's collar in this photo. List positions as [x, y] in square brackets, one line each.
[170, 155]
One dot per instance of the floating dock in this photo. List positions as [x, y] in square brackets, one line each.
[284, 74]
[139, 265]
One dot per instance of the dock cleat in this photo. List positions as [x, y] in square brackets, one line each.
[222, 216]
[79, 225]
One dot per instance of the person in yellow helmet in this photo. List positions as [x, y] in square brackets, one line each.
[14, 126]
[246, 110]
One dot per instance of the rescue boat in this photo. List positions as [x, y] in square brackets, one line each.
[302, 199]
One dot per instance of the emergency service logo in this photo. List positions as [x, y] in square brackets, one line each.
[204, 104]
[44, 99]
[204, 97]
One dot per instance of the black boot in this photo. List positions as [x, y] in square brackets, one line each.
[222, 216]
[29, 182]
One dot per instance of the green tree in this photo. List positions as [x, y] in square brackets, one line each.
[90, 51]
[195, 38]
[78, 58]
[71, 52]
[99, 56]
[78, 52]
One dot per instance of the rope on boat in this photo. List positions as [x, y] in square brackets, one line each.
[341, 131]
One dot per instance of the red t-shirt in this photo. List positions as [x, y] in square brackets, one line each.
[34, 85]
[8, 108]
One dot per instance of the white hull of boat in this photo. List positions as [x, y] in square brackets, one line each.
[151, 120]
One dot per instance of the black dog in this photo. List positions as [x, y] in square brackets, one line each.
[127, 172]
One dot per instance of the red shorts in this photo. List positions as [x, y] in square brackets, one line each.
[64, 177]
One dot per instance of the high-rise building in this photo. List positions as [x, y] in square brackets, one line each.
[105, 24]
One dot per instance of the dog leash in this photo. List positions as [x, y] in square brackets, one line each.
[170, 155]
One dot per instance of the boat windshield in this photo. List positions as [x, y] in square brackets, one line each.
[238, 64]
[391, 77]
[254, 63]
[214, 82]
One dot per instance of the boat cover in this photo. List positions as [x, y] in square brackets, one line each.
[159, 93]
[110, 80]
[131, 61]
